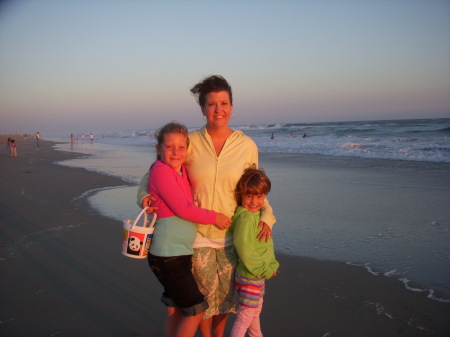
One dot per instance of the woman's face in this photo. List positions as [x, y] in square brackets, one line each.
[217, 109]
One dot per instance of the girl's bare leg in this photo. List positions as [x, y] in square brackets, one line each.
[188, 325]
[173, 319]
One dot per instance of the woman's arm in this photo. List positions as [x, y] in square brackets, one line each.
[267, 222]
[144, 199]
[142, 191]
[267, 217]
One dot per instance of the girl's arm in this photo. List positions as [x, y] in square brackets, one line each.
[163, 182]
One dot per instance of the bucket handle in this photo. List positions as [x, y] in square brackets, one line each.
[152, 224]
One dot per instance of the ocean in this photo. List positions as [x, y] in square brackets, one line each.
[413, 139]
[374, 194]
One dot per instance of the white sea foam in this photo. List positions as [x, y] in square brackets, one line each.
[90, 192]
[7, 320]
[393, 272]
[420, 290]
[380, 309]
[365, 265]
[369, 269]
[432, 297]
[414, 140]
[405, 281]
[36, 238]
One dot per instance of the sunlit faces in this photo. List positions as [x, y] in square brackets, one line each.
[173, 150]
[217, 108]
[253, 202]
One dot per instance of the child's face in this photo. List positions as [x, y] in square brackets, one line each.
[173, 150]
[253, 202]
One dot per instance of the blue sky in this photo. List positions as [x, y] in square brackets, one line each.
[97, 66]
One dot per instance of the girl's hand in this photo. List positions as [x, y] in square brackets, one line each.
[146, 202]
[266, 232]
[222, 221]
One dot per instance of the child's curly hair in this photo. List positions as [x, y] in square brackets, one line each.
[252, 182]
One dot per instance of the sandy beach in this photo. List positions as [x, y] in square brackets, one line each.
[62, 272]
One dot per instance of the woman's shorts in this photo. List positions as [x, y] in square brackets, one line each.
[214, 272]
[180, 288]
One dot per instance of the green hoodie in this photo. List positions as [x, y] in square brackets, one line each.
[256, 258]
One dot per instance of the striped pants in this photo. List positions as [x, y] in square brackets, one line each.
[250, 292]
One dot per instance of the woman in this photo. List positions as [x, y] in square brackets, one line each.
[216, 159]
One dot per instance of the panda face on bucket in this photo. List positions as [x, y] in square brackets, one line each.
[134, 245]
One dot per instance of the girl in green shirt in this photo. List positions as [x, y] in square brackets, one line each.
[256, 261]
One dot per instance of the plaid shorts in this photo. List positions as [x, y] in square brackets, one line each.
[214, 270]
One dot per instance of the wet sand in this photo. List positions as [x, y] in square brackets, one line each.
[62, 272]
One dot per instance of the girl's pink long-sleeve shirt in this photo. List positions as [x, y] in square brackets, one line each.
[173, 195]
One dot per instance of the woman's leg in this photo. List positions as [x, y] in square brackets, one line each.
[204, 270]
[205, 327]
[218, 324]
[214, 272]
[215, 323]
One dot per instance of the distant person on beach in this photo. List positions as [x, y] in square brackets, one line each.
[256, 259]
[82, 137]
[272, 137]
[170, 255]
[217, 157]
[38, 137]
[91, 137]
[13, 148]
[8, 146]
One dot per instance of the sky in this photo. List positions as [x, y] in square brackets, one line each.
[73, 66]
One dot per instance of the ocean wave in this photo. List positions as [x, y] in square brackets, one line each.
[412, 140]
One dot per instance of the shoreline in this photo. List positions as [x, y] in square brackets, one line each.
[63, 273]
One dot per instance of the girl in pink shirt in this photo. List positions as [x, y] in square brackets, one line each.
[170, 255]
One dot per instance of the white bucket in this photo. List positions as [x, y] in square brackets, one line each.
[137, 239]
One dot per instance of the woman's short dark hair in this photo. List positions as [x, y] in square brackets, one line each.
[213, 83]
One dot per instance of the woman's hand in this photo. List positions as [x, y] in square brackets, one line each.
[266, 232]
[146, 202]
[222, 221]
